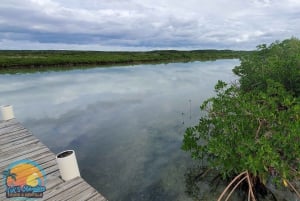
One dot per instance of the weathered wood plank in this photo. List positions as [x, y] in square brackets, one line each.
[8, 123]
[26, 153]
[15, 147]
[85, 192]
[2, 196]
[21, 141]
[97, 197]
[51, 193]
[53, 180]
[70, 192]
[14, 137]
[10, 129]
[14, 134]
[39, 157]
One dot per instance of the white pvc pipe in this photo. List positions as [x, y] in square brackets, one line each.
[7, 112]
[67, 165]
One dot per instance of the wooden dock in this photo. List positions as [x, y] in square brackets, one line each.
[17, 143]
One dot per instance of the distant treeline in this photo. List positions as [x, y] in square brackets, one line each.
[40, 60]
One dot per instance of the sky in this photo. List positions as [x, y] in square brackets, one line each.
[138, 25]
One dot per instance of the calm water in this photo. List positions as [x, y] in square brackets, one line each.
[126, 124]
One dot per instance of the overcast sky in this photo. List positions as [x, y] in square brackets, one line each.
[146, 24]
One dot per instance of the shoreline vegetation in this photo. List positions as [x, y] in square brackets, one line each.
[249, 134]
[26, 61]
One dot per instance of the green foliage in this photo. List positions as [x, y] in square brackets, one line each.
[254, 125]
[18, 61]
[279, 62]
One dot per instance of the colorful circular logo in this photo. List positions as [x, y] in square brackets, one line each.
[24, 178]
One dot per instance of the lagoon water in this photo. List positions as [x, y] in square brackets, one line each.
[126, 124]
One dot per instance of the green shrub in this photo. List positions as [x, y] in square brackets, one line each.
[254, 125]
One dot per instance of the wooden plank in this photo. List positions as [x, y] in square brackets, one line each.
[13, 134]
[97, 197]
[12, 144]
[32, 151]
[89, 194]
[42, 158]
[53, 180]
[86, 192]
[3, 196]
[22, 150]
[8, 123]
[10, 129]
[37, 158]
[18, 147]
[49, 194]
[21, 147]
[70, 192]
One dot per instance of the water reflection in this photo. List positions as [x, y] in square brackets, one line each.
[125, 123]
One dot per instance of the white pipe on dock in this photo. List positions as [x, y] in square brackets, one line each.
[7, 112]
[67, 165]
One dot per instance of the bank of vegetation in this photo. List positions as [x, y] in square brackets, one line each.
[23, 61]
[250, 134]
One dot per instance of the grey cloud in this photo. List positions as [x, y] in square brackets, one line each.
[147, 24]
